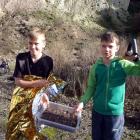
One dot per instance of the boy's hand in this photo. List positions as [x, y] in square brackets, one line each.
[44, 101]
[79, 108]
[132, 57]
[44, 83]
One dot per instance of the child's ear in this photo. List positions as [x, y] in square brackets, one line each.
[117, 48]
[44, 44]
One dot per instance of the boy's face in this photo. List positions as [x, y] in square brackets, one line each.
[109, 49]
[36, 46]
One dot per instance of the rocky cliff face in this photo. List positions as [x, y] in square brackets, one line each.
[64, 5]
[22, 5]
[77, 10]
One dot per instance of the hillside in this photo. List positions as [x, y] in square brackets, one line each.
[72, 30]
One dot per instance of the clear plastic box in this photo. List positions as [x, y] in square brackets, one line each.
[58, 116]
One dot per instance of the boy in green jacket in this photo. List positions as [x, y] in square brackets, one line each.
[106, 86]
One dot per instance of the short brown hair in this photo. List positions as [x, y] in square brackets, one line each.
[110, 37]
[35, 32]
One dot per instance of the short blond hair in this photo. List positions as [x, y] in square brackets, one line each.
[36, 32]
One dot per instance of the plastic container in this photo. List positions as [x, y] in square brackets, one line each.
[58, 116]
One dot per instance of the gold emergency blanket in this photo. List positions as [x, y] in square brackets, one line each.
[20, 125]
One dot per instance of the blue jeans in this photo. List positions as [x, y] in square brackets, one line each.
[107, 127]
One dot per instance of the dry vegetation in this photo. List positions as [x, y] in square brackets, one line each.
[73, 50]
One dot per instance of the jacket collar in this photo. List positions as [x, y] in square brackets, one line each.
[100, 60]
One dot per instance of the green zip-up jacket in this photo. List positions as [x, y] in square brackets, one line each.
[106, 85]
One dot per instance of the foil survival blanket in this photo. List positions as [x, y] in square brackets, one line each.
[20, 125]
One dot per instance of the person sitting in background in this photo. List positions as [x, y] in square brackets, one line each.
[31, 72]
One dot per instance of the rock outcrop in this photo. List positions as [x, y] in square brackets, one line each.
[12, 6]
[77, 10]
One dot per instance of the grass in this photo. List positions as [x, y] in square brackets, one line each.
[3, 118]
[49, 132]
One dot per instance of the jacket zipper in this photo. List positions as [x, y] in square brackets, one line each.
[107, 85]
